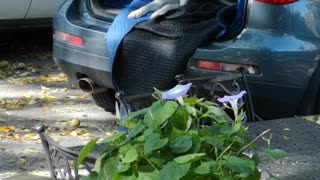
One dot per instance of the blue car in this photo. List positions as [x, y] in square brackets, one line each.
[276, 41]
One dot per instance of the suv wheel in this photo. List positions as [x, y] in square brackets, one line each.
[105, 100]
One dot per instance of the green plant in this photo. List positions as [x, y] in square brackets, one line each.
[186, 138]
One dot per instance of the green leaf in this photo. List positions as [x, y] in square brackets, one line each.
[191, 101]
[110, 166]
[205, 168]
[275, 154]
[131, 156]
[153, 142]
[181, 144]
[124, 168]
[85, 151]
[151, 115]
[174, 171]
[113, 137]
[214, 141]
[243, 166]
[189, 157]
[147, 173]
[137, 129]
[218, 114]
[124, 120]
[123, 150]
[181, 119]
[227, 130]
[92, 176]
[196, 144]
[166, 111]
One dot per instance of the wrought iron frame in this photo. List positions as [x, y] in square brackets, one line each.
[61, 159]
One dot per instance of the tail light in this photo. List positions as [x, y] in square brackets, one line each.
[226, 67]
[277, 2]
[71, 39]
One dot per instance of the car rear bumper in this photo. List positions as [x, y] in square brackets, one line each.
[77, 64]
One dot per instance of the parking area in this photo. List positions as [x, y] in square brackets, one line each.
[34, 90]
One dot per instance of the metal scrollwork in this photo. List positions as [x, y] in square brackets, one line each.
[60, 164]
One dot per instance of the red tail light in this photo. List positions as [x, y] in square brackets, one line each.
[226, 67]
[74, 40]
[277, 2]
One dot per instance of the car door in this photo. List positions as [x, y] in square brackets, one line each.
[43, 8]
[13, 9]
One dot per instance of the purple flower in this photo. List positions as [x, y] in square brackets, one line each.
[176, 92]
[233, 100]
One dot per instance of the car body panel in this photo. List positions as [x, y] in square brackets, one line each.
[43, 8]
[306, 15]
[27, 13]
[13, 9]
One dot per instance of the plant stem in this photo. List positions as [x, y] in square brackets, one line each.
[151, 164]
[243, 148]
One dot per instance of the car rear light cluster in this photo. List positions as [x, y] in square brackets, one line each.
[226, 67]
[71, 39]
[277, 2]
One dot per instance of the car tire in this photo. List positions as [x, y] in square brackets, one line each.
[105, 100]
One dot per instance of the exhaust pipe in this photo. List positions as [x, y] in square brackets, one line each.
[87, 85]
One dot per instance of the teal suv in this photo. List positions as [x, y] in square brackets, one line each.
[276, 41]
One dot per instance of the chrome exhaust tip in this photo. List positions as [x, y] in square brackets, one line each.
[87, 85]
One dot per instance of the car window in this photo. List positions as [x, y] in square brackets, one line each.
[13, 9]
[43, 8]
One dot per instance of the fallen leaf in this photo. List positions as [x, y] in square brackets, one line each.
[286, 129]
[45, 108]
[8, 113]
[24, 74]
[22, 161]
[285, 138]
[2, 121]
[88, 135]
[77, 96]
[7, 128]
[309, 118]
[32, 136]
[73, 133]
[32, 102]
[56, 110]
[70, 103]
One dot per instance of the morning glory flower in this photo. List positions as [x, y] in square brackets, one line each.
[176, 92]
[233, 100]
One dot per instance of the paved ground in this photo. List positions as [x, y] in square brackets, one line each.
[300, 139]
[33, 90]
[36, 92]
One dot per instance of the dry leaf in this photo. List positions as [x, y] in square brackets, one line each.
[32, 136]
[24, 74]
[73, 133]
[7, 128]
[78, 96]
[22, 161]
[8, 113]
[2, 121]
[70, 103]
[286, 129]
